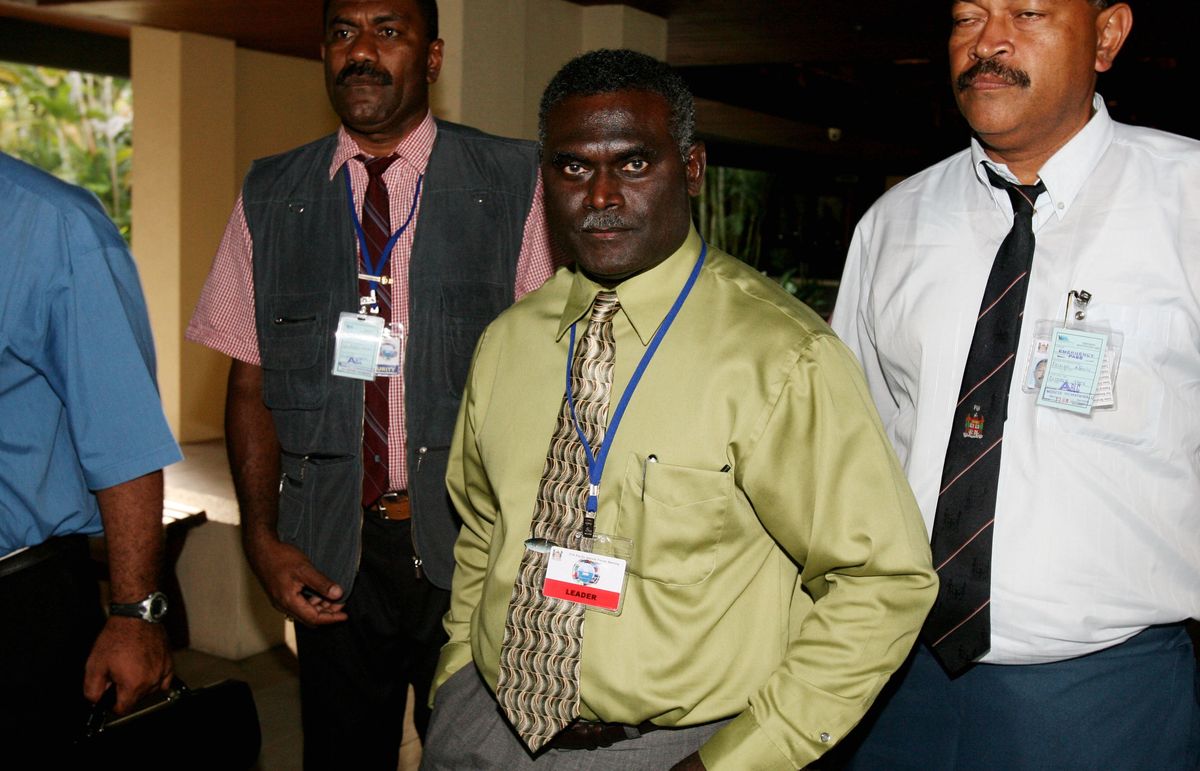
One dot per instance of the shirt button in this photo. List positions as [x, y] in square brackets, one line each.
[1062, 206]
[824, 737]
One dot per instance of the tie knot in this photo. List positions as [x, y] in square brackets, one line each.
[1023, 197]
[604, 306]
[376, 166]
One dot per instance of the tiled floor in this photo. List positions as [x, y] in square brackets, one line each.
[272, 678]
[202, 479]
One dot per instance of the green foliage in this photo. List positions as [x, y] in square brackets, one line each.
[730, 208]
[730, 213]
[75, 125]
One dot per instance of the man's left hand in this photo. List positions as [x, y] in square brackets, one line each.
[132, 655]
[690, 763]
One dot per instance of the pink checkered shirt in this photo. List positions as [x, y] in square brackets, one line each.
[224, 317]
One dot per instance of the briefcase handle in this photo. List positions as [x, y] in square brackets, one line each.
[101, 716]
[177, 731]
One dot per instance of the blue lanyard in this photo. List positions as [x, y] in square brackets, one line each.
[595, 463]
[373, 269]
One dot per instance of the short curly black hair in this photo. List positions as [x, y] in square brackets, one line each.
[428, 9]
[606, 70]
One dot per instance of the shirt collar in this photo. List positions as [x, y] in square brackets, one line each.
[414, 148]
[645, 298]
[1067, 170]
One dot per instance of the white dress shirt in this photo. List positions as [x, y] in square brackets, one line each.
[1097, 530]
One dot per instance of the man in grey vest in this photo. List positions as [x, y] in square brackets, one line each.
[353, 280]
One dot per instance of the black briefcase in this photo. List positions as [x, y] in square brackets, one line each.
[214, 727]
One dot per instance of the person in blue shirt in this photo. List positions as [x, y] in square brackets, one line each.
[83, 441]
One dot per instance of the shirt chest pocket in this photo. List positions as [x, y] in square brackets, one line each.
[676, 517]
[1149, 348]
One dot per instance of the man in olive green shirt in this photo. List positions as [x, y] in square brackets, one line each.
[779, 569]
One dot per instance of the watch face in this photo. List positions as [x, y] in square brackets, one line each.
[158, 605]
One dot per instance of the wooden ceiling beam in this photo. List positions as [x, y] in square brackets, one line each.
[57, 18]
[720, 121]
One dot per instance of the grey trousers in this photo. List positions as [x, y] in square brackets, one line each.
[468, 732]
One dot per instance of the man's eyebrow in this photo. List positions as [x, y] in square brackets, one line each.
[383, 18]
[635, 151]
[639, 151]
[390, 17]
[561, 158]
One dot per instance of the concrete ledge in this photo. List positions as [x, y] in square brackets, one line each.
[229, 614]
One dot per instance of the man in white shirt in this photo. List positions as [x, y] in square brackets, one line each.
[1087, 536]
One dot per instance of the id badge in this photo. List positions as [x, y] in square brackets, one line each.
[356, 345]
[391, 351]
[596, 581]
[1073, 368]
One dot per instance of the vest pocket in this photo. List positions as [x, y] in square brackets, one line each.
[319, 511]
[467, 307]
[294, 349]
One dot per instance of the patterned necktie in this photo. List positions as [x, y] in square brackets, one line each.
[376, 225]
[959, 628]
[538, 686]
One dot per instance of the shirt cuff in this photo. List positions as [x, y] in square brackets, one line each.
[234, 347]
[454, 656]
[743, 744]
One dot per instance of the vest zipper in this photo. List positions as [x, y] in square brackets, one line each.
[412, 530]
[283, 475]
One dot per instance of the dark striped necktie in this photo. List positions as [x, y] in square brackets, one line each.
[538, 686]
[958, 628]
[376, 225]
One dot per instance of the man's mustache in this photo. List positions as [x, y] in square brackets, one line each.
[603, 220]
[363, 70]
[1013, 77]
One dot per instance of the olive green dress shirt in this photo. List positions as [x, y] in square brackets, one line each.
[780, 567]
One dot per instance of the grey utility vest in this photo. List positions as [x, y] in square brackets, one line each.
[474, 200]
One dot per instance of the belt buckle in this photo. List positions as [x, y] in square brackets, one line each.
[593, 735]
[388, 501]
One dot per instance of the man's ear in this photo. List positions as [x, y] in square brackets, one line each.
[434, 61]
[697, 160]
[1112, 30]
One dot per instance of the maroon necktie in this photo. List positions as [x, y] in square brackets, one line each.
[959, 628]
[376, 225]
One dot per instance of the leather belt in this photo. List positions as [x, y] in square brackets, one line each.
[588, 735]
[393, 506]
[74, 545]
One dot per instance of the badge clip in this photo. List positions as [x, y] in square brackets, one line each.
[1080, 298]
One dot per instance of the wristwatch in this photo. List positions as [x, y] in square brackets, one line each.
[152, 609]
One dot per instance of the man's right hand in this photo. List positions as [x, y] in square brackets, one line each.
[285, 572]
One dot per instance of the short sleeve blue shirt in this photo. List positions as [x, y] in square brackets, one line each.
[79, 404]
